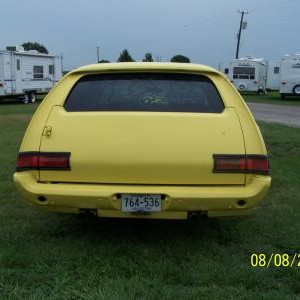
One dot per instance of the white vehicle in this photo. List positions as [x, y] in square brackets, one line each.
[290, 75]
[24, 74]
[248, 74]
[273, 78]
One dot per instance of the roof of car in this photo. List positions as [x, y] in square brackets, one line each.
[145, 66]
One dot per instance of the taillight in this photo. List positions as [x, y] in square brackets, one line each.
[43, 161]
[27, 161]
[283, 82]
[255, 164]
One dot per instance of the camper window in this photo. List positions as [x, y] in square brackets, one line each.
[243, 73]
[38, 72]
[276, 70]
[51, 69]
[18, 65]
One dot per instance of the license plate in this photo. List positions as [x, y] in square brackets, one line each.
[141, 202]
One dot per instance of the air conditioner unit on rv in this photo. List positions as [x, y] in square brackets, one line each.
[15, 48]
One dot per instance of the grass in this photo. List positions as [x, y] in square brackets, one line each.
[272, 97]
[14, 107]
[57, 256]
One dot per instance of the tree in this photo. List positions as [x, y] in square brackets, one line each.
[35, 46]
[180, 58]
[148, 57]
[125, 56]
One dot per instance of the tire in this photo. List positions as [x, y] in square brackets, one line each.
[242, 86]
[296, 90]
[24, 99]
[32, 97]
[282, 96]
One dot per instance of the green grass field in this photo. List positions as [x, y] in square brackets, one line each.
[57, 256]
[272, 97]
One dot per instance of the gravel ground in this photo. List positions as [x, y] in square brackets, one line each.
[271, 113]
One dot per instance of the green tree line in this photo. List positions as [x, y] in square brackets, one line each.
[124, 56]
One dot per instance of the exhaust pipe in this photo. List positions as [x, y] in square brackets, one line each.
[88, 212]
[197, 215]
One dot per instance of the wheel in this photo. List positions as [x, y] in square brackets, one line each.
[296, 90]
[32, 97]
[242, 86]
[24, 99]
[282, 96]
[261, 91]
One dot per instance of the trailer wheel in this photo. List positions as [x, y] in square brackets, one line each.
[24, 98]
[242, 86]
[282, 96]
[32, 97]
[296, 90]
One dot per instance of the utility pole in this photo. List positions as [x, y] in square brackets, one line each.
[61, 62]
[98, 57]
[240, 32]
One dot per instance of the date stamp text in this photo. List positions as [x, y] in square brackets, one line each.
[261, 260]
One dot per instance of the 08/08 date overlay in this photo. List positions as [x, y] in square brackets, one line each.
[261, 260]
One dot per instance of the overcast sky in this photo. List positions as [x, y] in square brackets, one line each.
[203, 30]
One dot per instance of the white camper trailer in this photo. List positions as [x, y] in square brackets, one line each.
[249, 74]
[290, 75]
[24, 74]
[273, 77]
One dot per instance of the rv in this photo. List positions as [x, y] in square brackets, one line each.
[248, 74]
[290, 75]
[273, 77]
[24, 74]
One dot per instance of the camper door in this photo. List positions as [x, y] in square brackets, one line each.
[18, 75]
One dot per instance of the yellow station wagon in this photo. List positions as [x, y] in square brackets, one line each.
[144, 140]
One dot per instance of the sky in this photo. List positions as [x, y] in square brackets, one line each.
[203, 30]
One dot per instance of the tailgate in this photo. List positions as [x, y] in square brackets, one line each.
[143, 147]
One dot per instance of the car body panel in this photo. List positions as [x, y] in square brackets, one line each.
[143, 147]
[70, 197]
[159, 168]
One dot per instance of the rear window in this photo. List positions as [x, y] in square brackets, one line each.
[243, 73]
[144, 92]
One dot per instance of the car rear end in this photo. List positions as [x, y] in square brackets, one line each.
[144, 140]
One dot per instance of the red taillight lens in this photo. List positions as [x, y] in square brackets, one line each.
[229, 163]
[54, 161]
[43, 161]
[257, 164]
[28, 161]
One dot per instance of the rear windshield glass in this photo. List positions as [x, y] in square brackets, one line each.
[144, 92]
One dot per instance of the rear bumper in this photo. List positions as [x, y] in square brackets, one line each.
[179, 200]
